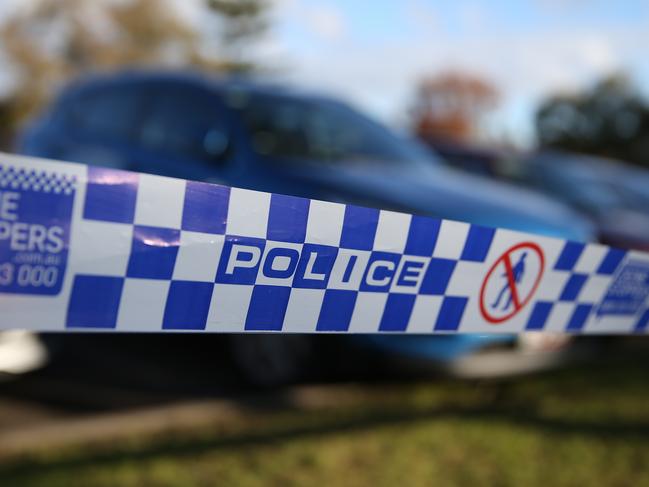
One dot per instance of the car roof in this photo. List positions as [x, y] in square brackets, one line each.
[218, 83]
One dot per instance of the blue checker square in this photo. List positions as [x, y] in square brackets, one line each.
[188, 303]
[573, 287]
[539, 316]
[579, 317]
[267, 308]
[569, 256]
[643, 322]
[422, 236]
[437, 276]
[287, 218]
[336, 311]
[450, 314]
[110, 195]
[359, 227]
[153, 252]
[396, 314]
[205, 208]
[94, 302]
[611, 261]
[477, 243]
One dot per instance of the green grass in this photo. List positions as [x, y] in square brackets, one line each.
[583, 426]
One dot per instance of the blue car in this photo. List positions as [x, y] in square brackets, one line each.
[279, 140]
[614, 196]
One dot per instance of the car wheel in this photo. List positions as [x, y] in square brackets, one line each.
[267, 360]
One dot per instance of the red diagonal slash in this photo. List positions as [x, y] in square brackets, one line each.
[511, 281]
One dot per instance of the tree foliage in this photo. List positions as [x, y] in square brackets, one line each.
[451, 106]
[56, 40]
[610, 120]
[241, 21]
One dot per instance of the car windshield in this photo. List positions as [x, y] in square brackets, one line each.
[322, 131]
[585, 186]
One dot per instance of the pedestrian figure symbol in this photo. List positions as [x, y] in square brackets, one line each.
[511, 282]
[518, 270]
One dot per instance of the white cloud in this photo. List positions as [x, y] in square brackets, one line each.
[322, 21]
[327, 22]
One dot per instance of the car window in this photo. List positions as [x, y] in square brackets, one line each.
[108, 111]
[584, 188]
[322, 131]
[184, 121]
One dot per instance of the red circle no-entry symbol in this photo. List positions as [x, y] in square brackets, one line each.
[511, 282]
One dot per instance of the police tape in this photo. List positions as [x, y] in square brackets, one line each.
[89, 248]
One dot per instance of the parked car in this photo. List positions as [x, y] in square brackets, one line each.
[475, 159]
[612, 194]
[609, 192]
[279, 140]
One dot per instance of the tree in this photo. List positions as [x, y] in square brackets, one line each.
[241, 22]
[610, 120]
[452, 105]
[56, 40]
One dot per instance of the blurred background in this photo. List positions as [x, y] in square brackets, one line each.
[526, 115]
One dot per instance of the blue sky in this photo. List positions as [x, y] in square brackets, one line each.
[373, 52]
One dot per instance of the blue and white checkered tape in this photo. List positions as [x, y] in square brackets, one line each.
[87, 248]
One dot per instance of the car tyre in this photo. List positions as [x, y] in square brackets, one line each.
[267, 360]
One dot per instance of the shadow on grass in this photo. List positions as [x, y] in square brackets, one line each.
[333, 424]
[508, 403]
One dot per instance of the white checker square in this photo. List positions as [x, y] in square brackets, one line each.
[594, 289]
[451, 239]
[160, 201]
[228, 308]
[637, 255]
[198, 256]
[473, 321]
[392, 231]
[368, 312]
[325, 223]
[32, 312]
[466, 279]
[248, 213]
[590, 259]
[142, 305]
[424, 314]
[303, 310]
[552, 284]
[106, 248]
[559, 317]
